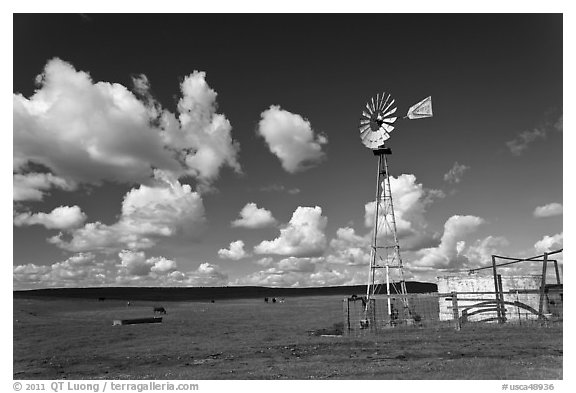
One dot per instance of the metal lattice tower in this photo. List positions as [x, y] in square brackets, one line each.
[385, 248]
[376, 123]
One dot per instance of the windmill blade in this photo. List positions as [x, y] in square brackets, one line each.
[365, 130]
[366, 134]
[383, 99]
[385, 102]
[390, 120]
[389, 105]
[387, 127]
[390, 112]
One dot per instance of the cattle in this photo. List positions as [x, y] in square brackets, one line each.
[273, 300]
[159, 310]
[266, 299]
[101, 299]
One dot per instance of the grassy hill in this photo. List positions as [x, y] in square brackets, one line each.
[208, 293]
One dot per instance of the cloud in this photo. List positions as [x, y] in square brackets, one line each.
[251, 216]
[202, 136]
[63, 217]
[559, 125]
[523, 139]
[455, 174]
[411, 200]
[301, 272]
[550, 243]
[446, 253]
[518, 145]
[148, 212]
[303, 236]
[162, 265]
[265, 262]
[136, 263]
[280, 188]
[291, 138]
[89, 132]
[480, 253]
[133, 269]
[234, 252]
[33, 186]
[208, 274]
[549, 210]
[305, 265]
[348, 248]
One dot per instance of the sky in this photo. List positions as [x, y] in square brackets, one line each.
[223, 149]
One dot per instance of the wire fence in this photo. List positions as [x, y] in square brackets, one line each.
[455, 309]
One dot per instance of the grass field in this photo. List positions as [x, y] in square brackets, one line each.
[249, 339]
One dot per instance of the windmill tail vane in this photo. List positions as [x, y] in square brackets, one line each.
[420, 110]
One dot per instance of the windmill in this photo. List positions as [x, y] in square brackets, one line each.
[378, 120]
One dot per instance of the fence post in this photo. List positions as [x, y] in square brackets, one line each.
[501, 304]
[455, 310]
[346, 304]
[496, 290]
[543, 287]
[557, 272]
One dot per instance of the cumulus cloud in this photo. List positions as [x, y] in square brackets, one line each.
[290, 137]
[202, 136]
[135, 263]
[235, 251]
[162, 265]
[446, 253]
[349, 248]
[148, 213]
[480, 253]
[294, 264]
[80, 270]
[455, 174]
[63, 217]
[303, 236]
[133, 269]
[89, 132]
[208, 274]
[33, 186]
[265, 262]
[549, 210]
[550, 243]
[411, 200]
[300, 272]
[251, 216]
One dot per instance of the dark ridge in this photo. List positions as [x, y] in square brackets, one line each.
[208, 293]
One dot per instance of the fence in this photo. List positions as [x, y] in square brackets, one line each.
[455, 309]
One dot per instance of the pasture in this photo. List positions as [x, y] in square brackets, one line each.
[250, 339]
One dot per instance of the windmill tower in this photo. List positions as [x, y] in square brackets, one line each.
[377, 121]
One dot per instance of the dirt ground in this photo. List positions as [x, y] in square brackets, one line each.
[249, 339]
